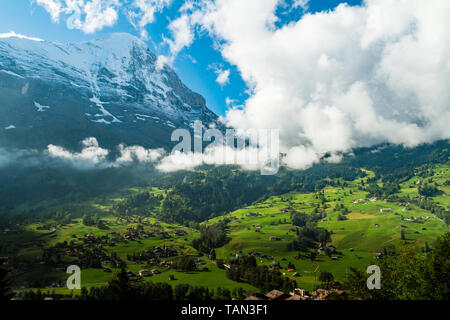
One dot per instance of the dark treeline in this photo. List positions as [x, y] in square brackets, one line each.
[434, 208]
[394, 163]
[245, 269]
[121, 288]
[211, 237]
[310, 237]
[140, 204]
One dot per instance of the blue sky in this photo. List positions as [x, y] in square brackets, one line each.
[195, 64]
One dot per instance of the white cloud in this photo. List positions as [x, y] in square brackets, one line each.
[143, 12]
[99, 14]
[230, 102]
[138, 154]
[161, 61]
[223, 77]
[304, 4]
[340, 79]
[250, 158]
[12, 34]
[182, 33]
[92, 156]
[88, 16]
[53, 7]
[94, 15]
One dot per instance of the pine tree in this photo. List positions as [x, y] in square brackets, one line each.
[5, 290]
[120, 288]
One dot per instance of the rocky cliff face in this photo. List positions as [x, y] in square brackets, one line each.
[111, 89]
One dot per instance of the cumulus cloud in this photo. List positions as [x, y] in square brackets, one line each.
[92, 156]
[94, 15]
[250, 158]
[88, 16]
[223, 74]
[161, 61]
[223, 77]
[138, 154]
[182, 33]
[53, 7]
[336, 80]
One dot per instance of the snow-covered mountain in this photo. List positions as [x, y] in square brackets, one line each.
[111, 89]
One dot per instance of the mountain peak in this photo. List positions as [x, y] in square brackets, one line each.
[112, 85]
[117, 41]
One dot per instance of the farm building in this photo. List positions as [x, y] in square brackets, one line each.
[277, 295]
[145, 273]
[386, 210]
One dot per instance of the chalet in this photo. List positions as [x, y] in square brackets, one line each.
[374, 199]
[322, 294]
[277, 295]
[357, 201]
[179, 232]
[255, 296]
[154, 272]
[386, 210]
[165, 263]
[145, 273]
[299, 294]
[273, 238]
[296, 297]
